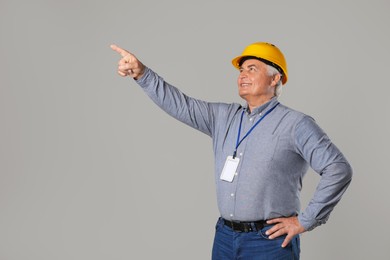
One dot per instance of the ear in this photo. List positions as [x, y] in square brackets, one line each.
[276, 78]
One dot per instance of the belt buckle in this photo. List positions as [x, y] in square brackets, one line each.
[247, 227]
[241, 226]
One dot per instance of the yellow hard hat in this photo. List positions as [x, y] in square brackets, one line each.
[266, 52]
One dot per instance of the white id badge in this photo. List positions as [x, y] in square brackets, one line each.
[229, 170]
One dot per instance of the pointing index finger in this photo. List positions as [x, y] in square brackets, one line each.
[119, 50]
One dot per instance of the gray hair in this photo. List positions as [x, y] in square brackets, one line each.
[271, 72]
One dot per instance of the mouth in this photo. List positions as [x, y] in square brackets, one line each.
[245, 85]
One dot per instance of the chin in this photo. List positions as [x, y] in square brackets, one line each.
[242, 95]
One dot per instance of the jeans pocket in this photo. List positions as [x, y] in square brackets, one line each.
[262, 233]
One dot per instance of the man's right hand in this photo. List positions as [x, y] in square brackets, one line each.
[128, 65]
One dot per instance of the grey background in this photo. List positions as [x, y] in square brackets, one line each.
[91, 169]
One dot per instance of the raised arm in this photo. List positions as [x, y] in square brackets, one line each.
[193, 112]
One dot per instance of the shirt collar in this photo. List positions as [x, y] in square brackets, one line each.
[262, 108]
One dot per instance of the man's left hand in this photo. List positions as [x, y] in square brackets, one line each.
[289, 226]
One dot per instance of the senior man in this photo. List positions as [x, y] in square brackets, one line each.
[262, 151]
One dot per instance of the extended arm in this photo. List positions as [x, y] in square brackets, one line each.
[195, 113]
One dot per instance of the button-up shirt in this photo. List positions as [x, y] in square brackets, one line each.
[273, 158]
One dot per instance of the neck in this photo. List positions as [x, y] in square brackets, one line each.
[252, 104]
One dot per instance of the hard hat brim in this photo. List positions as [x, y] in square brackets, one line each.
[236, 63]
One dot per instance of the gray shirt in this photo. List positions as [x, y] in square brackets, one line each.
[273, 158]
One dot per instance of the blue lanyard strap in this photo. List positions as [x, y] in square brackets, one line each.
[250, 130]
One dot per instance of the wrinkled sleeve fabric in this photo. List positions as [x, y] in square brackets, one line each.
[193, 112]
[326, 159]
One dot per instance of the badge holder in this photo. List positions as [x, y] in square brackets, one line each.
[229, 169]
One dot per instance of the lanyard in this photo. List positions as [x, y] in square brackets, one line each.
[250, 130]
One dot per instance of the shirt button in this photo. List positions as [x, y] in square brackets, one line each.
[232, 194]
[231, 215]
[241, 154]
[250, 119]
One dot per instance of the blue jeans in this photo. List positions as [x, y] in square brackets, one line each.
[232, 245]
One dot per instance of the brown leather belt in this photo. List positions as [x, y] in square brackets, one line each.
[245, 226]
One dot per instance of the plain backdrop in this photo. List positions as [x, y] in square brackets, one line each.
[90, 168]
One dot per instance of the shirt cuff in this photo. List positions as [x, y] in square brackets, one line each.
[144, 79]
[309, 224]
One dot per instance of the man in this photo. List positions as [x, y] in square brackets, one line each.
[262, 151]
